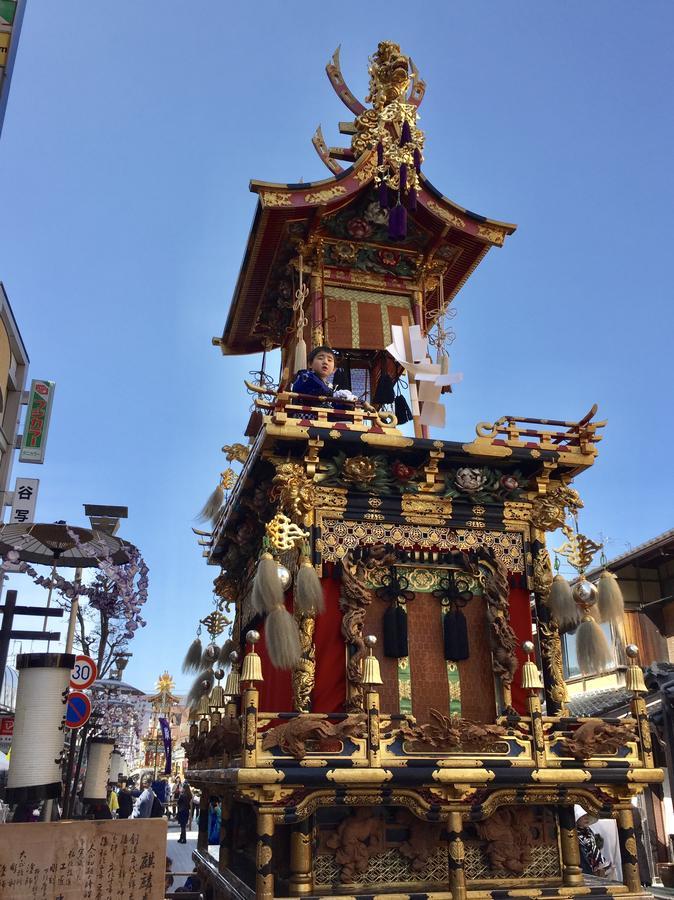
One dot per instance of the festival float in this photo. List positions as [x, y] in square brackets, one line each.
[388, 714]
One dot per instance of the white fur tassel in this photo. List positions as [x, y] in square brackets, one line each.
[592, 649]
[300, 354]
[282, 638]
[211, 508]
[192, 659]
[202, 685]
[561, 603]
[225, 650]
[209, 656]
[610, 598]
[308, 590]
[267, 589]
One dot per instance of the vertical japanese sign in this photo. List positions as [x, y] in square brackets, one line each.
[25, 499]
[166, 737]
[6, 732]
[34, 441]
[7, 14]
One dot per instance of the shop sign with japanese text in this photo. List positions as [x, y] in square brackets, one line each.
[25, 500]
[34, 440]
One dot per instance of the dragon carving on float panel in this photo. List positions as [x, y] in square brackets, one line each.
[598, 738]
[293, 736]
[501, 635]
[354, 601]
[451, 734]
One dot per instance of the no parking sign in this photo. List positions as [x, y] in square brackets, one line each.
[78, 709]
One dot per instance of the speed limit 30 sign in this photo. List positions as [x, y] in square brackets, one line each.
[83, 674]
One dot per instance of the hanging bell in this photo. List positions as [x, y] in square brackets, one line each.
[251, 670]
[371, 672]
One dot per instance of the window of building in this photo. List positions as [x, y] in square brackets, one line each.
[570, 657]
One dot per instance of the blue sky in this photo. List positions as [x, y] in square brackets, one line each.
[129, 141]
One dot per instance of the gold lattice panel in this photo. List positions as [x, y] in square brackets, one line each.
[390, 867]
[545, 863]
[338, 536]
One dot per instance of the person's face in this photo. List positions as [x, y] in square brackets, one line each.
[586, 821]
[323, 364]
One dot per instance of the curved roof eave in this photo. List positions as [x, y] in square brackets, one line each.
[340, 187]
[279, 202]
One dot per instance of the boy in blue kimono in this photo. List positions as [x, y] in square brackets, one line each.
[317, 379]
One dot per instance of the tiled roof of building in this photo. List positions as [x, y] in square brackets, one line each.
[599, 703]
[662, 542]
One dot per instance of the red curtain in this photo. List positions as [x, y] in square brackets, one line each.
[329, 692]
[330, 689]
[520, 620]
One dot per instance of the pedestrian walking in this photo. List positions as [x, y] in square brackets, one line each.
[184, 810]
[125, 801]
[143, 807]
[214, 819]
[113, 800]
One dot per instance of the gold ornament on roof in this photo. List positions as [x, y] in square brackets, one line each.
[389, 75]
[391, 125]
[236, 452]
[165, 683]
[284, 534]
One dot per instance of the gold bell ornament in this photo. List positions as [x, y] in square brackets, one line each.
[371, 672]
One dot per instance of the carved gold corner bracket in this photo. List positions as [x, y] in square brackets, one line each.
[320, 197]
[275, 198]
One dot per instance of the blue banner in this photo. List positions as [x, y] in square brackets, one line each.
[166, 736]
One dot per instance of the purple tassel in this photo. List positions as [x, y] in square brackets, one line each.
[380, 154]
[397, 223]
[403, 178]
[383, 195]
[412, 200]
[406, 134]
[417, 160]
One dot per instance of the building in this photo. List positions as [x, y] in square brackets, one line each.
[646, 577]
[13, 375]
[384, 733]
[11, 19]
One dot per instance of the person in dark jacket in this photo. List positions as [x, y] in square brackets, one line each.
[125, 801]
[316, 381]
[183, 814]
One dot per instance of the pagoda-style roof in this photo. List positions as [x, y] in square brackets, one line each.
[288, 214]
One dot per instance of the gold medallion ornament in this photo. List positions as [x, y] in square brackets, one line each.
[579, 550]
[284, 534]
[216, 623]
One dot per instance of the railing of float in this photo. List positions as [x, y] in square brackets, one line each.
[290, 406]
[548, 434]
